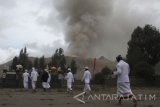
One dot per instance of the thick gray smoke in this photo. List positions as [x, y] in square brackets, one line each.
[102, 27]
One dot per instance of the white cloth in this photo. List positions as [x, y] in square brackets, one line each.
[123, 82]
[86, 76]
[25, 80]
[49, 78]
[87, 87]
[33, 84]
[122, 72]
[25, 84]
[69, 86]
[70, 79]
[45, 85]
[123, 89]
[34, 75]
[25, 76]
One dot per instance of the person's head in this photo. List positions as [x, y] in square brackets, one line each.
[25, 70]
[69, 69]
[118, 58]
[45, 70]
[86, 68]
[33, 69]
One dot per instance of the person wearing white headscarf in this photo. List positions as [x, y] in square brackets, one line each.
[25, 79]
[34, 76]
[123, 82]
[70, 79]
[86, 78]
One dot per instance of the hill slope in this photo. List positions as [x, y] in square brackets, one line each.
[100, 63]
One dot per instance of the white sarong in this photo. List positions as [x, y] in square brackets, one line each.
[33, 84]
[123, 89]
[69, 86]
[45, 85]
[87, 87]
[25, 84]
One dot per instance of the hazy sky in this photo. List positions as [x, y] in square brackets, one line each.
[41, 25]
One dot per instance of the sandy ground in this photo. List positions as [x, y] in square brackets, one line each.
[21, 98]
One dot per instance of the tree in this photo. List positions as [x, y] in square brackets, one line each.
[14, 63]
[58, 59]
[99, 78]
[23, 58]
[106, 71]
[36, 60]
[42, 63]
[145, 71]
[144, 46]
[73, 66]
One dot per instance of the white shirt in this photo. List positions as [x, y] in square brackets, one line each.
[122, 72]
[86, 76]
[25, 76]
[69, 77]
[34, 75]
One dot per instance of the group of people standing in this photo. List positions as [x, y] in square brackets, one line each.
[34, 75]
[122, 73]
[46, 77]
[86, 79]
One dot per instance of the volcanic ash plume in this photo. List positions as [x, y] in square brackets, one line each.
[84, 20]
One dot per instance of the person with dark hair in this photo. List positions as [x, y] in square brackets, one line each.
[123, 82]
[45, 77]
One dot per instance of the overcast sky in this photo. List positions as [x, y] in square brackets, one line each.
[37, 25]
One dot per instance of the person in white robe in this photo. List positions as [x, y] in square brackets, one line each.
[86, 79]
[70, 79]
[34, 76]
[25, 79]
[49, 79]
[123, 82]
[45, 79]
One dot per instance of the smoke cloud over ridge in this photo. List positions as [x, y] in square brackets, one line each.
[94, 28]
[103, 27]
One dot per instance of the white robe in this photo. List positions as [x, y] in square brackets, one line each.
[47, 84]
[25, 80]
[86, 78]
[70, 79]
[123, 82]
[34, 76]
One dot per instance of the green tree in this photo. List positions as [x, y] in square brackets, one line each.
[145, 71]
[106, 71]
[99, 78]
[73, 66]
[23, 58]
[144, 46]
[58, 59]
[36, 60]
[14, 63]
[42, 63]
